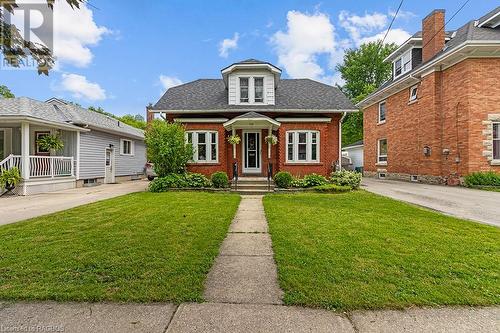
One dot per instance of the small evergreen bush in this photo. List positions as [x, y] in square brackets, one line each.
[344, 177]
[220, 179]
[283, 179]
[332, 188]
[174, 180]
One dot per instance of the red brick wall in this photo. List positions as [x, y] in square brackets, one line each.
[328, 148]
[448, 114]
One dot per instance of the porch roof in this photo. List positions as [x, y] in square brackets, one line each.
[251, 120]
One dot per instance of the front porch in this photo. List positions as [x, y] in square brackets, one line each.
[41, 170]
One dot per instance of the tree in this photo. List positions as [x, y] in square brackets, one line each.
[15, 48]
[167, 147]
[363, 70]
[5, 92]
[136, 121]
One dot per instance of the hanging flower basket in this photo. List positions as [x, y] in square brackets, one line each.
[272, 139]
[234, 139]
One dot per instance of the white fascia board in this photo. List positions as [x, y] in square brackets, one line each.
[201, 120]
[255, 110]
[236, 66]
[352, 147]
[32, 120]
[403, 48]
[234, 120]
[304, 120]
[488, 20]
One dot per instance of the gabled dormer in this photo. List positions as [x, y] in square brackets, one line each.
[251, 82]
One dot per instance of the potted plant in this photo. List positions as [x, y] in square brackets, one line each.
[272, 139]
[50, 143]
[234, 139]
[10, 178]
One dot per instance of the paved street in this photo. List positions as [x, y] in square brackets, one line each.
[477, 205]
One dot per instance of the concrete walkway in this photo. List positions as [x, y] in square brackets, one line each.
[18, 208]
[470, 204]
[245, 271]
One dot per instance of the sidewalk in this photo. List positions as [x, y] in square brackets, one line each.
[18, 208]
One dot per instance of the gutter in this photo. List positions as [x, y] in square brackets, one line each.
[236, 110]
[340, 140]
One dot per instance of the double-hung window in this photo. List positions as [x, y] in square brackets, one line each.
[126, 147]
[403, 64]
[205, 146]
[244, 89]
[496, 141]
[381, 112]
[259, 89]
[382, 151]
[302, 146]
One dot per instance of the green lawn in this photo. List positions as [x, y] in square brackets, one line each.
[360, 250]
[140, 247]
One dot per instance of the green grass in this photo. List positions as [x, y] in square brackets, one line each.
[362, 251]
[142, 247]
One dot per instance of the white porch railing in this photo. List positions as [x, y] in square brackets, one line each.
[42, 166]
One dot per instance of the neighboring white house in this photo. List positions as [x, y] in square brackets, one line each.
[97, 148]
[354, 152]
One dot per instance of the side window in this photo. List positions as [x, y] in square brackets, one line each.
[382, 151]
[381, 112]
[243, 90]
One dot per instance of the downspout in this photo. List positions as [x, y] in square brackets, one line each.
[339, 165]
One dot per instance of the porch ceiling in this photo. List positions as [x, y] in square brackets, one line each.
[251, 120]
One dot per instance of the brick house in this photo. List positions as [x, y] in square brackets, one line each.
[438, 118]
[252, 101]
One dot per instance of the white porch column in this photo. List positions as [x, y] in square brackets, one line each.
[234, 146]
[77, 155]
[25, 150]
[270, 132]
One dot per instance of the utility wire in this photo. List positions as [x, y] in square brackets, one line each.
[446, 23]
[390, 25]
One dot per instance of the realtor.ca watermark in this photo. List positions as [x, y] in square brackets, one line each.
[32, 328]
[33, 23]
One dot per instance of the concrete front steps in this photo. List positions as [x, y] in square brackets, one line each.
[252, 185]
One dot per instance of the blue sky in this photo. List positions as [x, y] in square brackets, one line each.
[124, 54]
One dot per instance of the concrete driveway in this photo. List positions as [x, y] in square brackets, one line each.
[16, 208]
[476, 205]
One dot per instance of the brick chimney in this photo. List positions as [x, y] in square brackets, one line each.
[433, 34]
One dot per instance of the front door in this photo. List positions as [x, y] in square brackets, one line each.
[251, 152]
[109, 175]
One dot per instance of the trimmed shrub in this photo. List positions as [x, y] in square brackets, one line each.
[488, 178]
[197, 180]
[220, 179]
[283, 179]
[173, 180]
[298, 182]
[348, 178]
[332, 188]
[314, 180]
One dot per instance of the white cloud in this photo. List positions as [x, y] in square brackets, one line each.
[397, 36]
[306, 38]
[80, 87]
[359, 27]
[168, 82]
[228, 44]
[74, 32]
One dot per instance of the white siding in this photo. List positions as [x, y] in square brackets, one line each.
[92, 148]
[356, 156]
[234, 83]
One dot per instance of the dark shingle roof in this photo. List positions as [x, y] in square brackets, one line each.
[64, 114]
[291, 94]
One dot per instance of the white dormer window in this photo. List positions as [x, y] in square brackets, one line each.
[402, 64]
[259, 89]
[244, 89]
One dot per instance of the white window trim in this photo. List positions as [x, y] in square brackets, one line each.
[409, 52]
[414, 88]
[379, 162]
[378, 113]
[208, 145]
[132, 147]
[308, 160]
[495, 161]
[251, 90]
